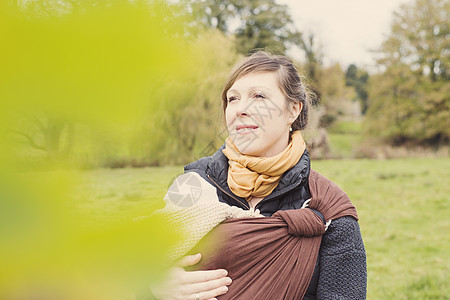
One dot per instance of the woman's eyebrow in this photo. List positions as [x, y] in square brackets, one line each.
[260, 88]
[232, 91]
[264, 89]
[251, 89]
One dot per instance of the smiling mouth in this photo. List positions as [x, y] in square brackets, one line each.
[243, 129]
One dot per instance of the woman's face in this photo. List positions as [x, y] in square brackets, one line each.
[257, 116]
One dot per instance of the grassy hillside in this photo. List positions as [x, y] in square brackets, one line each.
[403, 205]
[404, 209]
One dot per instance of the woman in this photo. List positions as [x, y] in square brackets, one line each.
[264, 167]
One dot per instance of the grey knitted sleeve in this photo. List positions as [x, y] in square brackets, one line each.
[342, 262]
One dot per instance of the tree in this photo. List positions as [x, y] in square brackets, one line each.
[419, 39]
[314, 56]
[42, 136]
[358, 79]
[337, 98]
[255, 23]
[409, 101]
[312, 69]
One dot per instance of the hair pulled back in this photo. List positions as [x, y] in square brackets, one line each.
[289, 80]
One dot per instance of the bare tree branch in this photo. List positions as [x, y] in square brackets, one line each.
[30, 140]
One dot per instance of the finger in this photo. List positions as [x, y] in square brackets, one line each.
[189, 260]
[202, 276]
[209, 294]
[211, 285]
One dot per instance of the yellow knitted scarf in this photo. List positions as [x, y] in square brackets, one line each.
[259, 176]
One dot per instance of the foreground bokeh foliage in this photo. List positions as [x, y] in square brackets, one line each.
[75, 85]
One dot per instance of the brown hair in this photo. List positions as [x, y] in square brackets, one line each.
[289, 80]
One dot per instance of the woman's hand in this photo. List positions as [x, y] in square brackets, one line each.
[193, 285]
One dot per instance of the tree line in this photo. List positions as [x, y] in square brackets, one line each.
[172, 112]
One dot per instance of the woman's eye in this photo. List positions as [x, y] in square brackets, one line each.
[232, 98]
[261, 96]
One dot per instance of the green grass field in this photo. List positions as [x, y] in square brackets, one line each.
[403, 205]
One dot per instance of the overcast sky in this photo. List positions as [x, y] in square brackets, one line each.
[348, 29]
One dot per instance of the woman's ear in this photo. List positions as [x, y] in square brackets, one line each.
[296, 108]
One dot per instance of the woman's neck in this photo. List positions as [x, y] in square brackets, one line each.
[253, 201]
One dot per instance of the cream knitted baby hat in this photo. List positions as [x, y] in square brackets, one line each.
[193, 209]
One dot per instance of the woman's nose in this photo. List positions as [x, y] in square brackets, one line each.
[242, 114]
[243, 109]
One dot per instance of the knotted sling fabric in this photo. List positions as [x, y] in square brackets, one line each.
[274, 257]
[259, 176]
[267, 257]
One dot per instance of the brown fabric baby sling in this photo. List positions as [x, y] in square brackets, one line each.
[274, 257]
